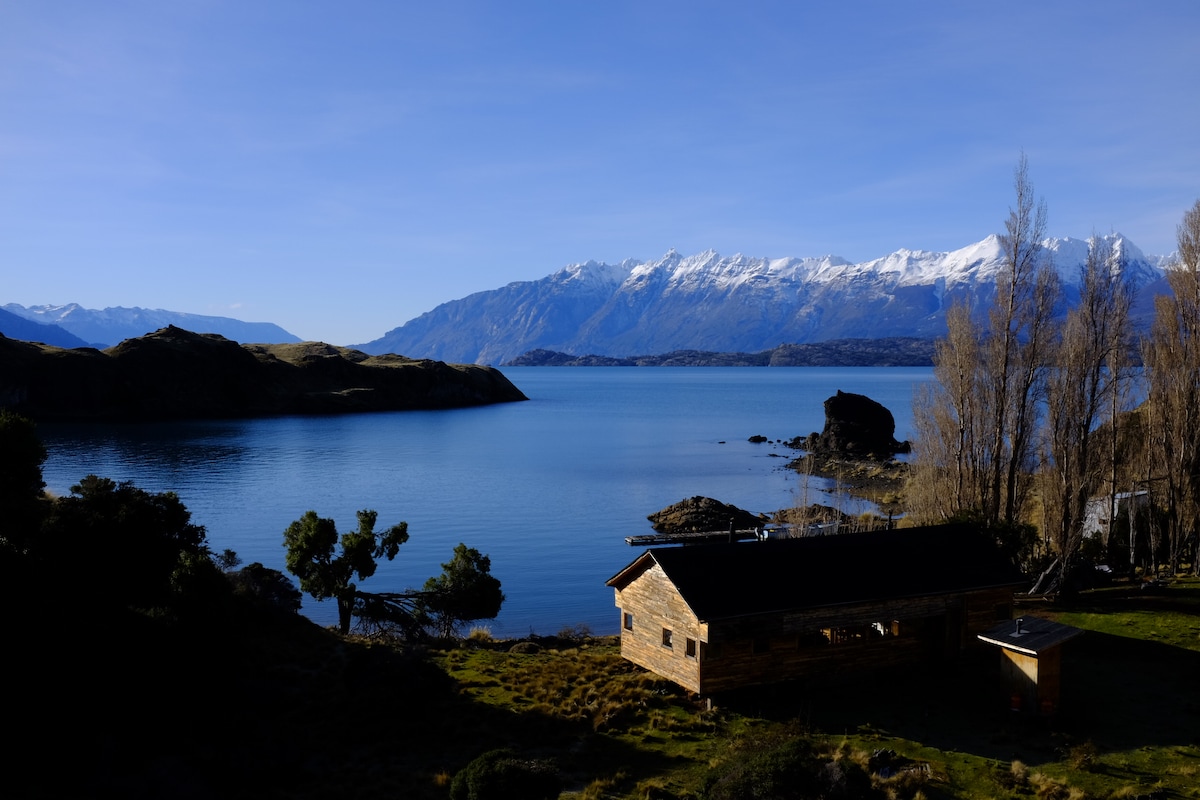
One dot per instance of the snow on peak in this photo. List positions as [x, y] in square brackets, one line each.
[977, 262]
[1070, 254]
[597, 272]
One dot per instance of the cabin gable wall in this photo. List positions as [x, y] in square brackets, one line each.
[659, 630]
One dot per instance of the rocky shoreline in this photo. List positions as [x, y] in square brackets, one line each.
[856, 450]
[879, 481]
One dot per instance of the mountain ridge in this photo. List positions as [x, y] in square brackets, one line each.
[110, 326]
[15, 326]
[734, 304]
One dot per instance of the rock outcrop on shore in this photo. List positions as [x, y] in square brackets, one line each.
[703, 514]
[176, 374]
[856, 425]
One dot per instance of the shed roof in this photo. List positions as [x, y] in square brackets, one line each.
[1030, 635]
[730, 580]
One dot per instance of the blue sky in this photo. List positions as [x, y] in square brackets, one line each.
[340, 168]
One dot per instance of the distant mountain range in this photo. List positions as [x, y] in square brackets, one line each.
[111, 326]
[733, 309]
[18, 327]
[734, 304]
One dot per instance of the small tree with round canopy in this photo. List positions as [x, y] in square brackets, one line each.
[327, 564]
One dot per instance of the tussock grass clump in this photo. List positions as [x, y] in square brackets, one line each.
[1082, 757]
[1014, 776]
[604, 788]
[1048, 788]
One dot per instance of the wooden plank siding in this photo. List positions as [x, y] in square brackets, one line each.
[1035, 681]
[648, 606]
[741, 663]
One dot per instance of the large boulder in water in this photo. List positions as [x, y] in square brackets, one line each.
[856, 425]
[703, 514]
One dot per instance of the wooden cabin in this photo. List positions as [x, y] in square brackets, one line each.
[1031, 661]
[717, 617]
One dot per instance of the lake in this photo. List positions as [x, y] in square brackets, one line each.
[548, 489]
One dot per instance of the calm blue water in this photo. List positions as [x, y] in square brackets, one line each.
[548, 488]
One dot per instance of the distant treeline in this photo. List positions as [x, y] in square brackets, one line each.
[897, 351]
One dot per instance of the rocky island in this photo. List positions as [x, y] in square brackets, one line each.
[176, 374]
[856, 448]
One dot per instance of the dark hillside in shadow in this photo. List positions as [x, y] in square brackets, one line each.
[275, 707]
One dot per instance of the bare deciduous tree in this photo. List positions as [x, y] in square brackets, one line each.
[946, 461]
[1021, 327]
[976, 447]
[1171, 357]
[1083, 391]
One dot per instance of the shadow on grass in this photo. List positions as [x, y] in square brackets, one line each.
[285, 709]
[1125, 693]
[1118, 693]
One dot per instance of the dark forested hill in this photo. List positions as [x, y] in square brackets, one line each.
[176, 374]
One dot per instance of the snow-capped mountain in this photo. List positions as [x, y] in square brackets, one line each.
[110, 326]
[738, 303]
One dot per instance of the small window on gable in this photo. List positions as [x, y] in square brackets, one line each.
[667, 637]
[690, 648]
[627, 622]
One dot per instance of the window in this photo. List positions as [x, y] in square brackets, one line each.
[690, 648]
[628, 621]
[667, 637]
[865, 634]
[886, 629]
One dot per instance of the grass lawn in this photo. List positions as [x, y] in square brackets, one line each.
[1129, 724]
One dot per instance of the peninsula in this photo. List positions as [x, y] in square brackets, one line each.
[176, 374]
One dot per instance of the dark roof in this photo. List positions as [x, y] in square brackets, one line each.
[730, 580]
[1034, 635]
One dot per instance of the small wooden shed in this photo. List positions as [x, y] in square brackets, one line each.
[716, 617]
[1031, 661]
